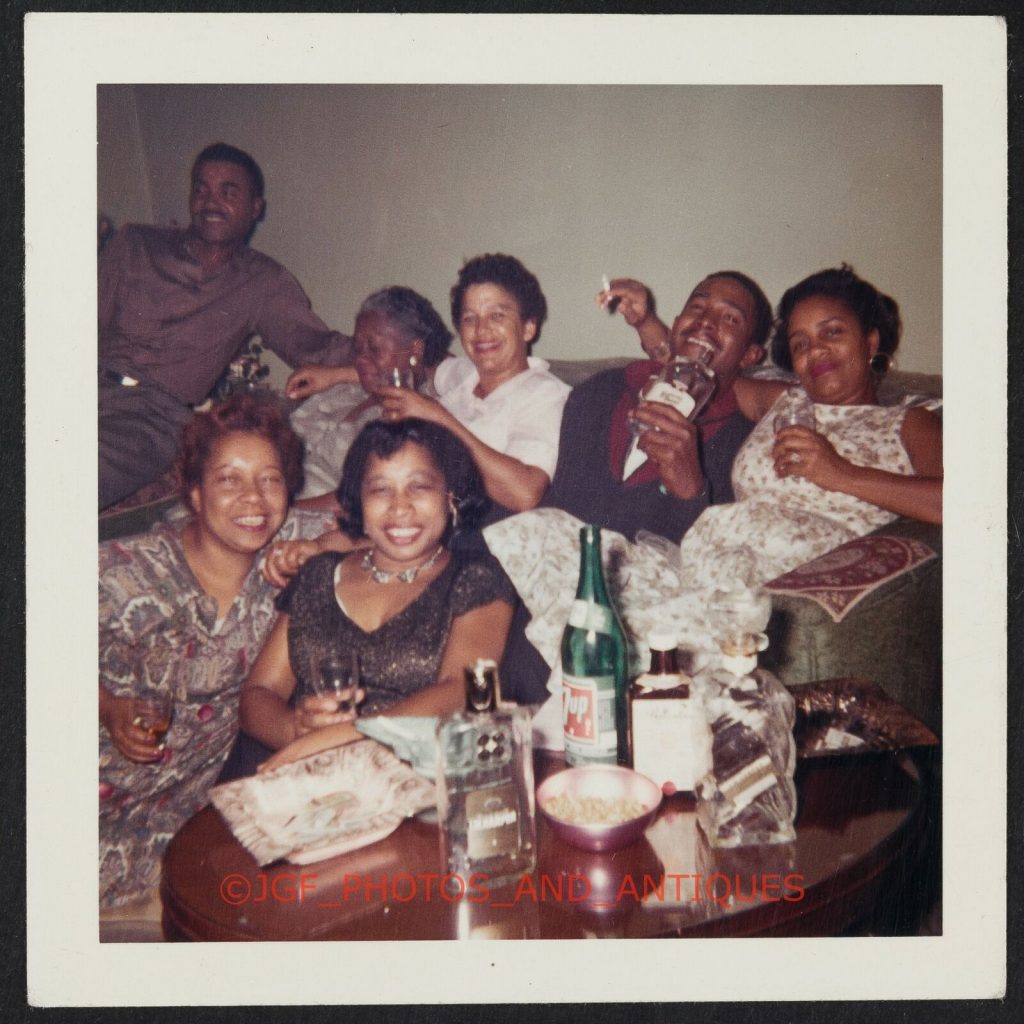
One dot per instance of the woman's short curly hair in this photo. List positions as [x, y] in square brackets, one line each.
[508, 273]
[414, 316]
[874, 310]
[243, 413]
[383, 438]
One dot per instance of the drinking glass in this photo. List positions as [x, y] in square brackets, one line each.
[401, 376]
[795, 416]
[337, 676]
[152, 710]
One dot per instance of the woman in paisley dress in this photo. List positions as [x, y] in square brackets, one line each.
[414, 609]
[801, 491]
[187, 607]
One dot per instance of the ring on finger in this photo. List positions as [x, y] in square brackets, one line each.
[794, 458]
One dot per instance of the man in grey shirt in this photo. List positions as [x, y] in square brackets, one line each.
[175, 306]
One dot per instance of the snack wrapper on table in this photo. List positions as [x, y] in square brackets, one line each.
[837, 717]
[745, 791]
[746, 795]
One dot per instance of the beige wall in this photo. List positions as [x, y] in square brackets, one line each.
[375, 185]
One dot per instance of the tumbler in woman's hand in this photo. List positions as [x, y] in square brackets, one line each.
[337, 676]
[402, 376]
[152, 711]
[795, 416]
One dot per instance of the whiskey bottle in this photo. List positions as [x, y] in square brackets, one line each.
[661, 720]
[745, 792]
[686, 383]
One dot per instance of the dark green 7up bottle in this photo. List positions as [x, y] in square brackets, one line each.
[594, 668]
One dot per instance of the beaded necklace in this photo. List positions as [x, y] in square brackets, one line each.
[403, 575]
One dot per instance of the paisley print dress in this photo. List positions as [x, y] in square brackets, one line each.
[155, 619]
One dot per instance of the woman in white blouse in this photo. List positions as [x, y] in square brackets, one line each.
[504, 405]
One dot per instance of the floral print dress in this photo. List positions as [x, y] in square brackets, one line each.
[778, 523]
[775, 525]
[155, 620]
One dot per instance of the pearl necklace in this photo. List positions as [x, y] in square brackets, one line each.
[403, 575]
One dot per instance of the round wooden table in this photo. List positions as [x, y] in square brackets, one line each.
[864, 858]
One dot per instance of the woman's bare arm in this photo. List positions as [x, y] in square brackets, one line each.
[480, 633]
[756, 395]
[509, 482]
[264, 712]
[918, 496]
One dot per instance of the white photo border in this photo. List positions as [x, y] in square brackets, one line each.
[66, 56]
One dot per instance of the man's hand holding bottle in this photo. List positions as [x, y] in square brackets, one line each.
[672, 444]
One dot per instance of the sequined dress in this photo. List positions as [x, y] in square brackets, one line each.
[402, 656]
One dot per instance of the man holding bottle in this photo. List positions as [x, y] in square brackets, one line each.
[688, 464]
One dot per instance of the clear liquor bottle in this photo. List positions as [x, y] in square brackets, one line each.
[745, 792]
[485, 795]
[687, 383]
[594, 659]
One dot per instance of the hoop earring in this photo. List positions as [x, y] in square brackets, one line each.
[454, 509]
[881, 363]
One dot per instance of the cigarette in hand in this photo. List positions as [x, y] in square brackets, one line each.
[612, 302]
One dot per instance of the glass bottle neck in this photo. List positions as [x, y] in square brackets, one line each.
[591, 584]
[697, 352]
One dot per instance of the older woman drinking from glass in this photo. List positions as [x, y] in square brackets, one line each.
[186, 610]
[399, 336]
[412, 610]
[502, 404]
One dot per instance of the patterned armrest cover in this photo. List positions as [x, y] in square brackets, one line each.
[893, 636]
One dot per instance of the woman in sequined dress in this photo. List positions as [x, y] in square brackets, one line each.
[413, 610]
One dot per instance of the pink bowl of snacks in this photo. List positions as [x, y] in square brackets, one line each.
[599, 807]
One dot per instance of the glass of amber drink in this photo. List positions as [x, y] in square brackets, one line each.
[152, 711]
